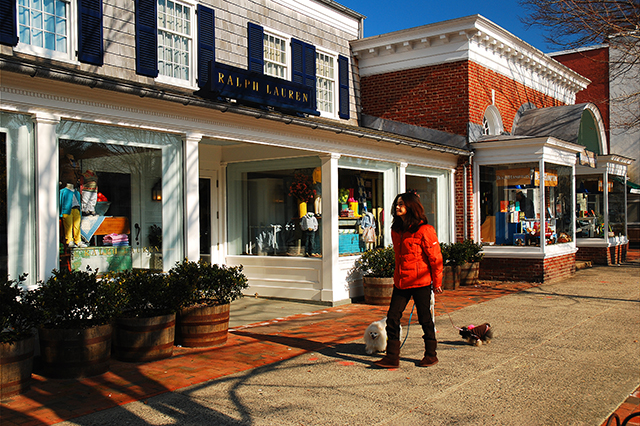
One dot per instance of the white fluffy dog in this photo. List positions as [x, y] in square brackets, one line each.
[375, 336]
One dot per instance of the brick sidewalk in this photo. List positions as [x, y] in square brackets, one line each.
[50, 401]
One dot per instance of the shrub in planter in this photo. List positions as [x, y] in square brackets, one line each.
[203, 320]
[470, 270]
[75, 336]
[145, 330]
[377, 267]
[18, 319]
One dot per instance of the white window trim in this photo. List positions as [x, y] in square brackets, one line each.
[334, 55]
[72, 39]
[494, 120]
[191, 83]
[287, 43]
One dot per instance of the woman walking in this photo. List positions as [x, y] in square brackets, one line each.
[418, 269]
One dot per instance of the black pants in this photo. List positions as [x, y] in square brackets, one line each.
[422, 299]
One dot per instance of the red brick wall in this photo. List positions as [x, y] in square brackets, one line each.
[446, 97]
[603, 255]
[528, 270]
[435, 97]
[460, 186]
[509, 95]
[593, 64]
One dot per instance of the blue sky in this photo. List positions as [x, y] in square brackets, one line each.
[385, 16]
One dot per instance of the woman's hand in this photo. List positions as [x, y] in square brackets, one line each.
[438, 290]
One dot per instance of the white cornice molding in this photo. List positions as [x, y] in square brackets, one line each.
[472, 38]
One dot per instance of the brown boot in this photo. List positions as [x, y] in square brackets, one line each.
[430, 357]
[392, 358]
[428, 361]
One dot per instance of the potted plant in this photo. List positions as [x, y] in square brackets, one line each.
[145, 329]
[18, 319]
[75, 335]
[470, 269]
[203, 320]
[377, 267]
[453, 256]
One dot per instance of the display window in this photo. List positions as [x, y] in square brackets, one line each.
[591, 208]
[519, 204]
[275, 208]
[110, 206]
[361, 210]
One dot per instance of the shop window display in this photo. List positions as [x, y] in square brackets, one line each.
[106, 205]
[511, 209]
[278, 209]
[361, 212]
[590, 206]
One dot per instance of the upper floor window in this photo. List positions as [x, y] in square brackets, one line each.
[175, 40]
[44, 24]
[325, 83]
[275, 56]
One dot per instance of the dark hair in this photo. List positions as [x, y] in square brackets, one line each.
[415, 216]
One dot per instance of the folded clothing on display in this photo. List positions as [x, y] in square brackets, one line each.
[116, 240]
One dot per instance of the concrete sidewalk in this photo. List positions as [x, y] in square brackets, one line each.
[564, 354]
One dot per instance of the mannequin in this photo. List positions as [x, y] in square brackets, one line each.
[368, 229]
[309, 225]
[89, 192]
[71, 216]
[317, 186]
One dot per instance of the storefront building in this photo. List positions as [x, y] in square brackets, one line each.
[184, 130]
[514, 105]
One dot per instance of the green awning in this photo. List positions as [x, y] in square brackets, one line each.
[629, 183]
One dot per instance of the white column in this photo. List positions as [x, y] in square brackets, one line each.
[46, 183]
[192, 196]
[402, 178]
[333, 288]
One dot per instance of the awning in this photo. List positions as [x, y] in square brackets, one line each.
[634, 188]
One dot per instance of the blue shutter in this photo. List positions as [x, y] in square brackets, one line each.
[90, 31]
[343, 87]
[255, 48]
[8, 27]
[146, 38]
[206, 44]
[303, 69]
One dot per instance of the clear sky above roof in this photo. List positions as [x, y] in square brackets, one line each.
[384, 16]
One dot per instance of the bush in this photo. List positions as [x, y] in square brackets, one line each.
[378, 263]
[18, 315]
[77, 299]
[456, 254]
[208, 284]
[143, 293]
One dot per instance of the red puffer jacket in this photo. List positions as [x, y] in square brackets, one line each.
[418, 258]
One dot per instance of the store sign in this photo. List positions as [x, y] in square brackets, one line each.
[525, 177]
[237, 83]
[513, 177]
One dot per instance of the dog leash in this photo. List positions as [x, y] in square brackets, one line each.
[447, 311]
[408, 325]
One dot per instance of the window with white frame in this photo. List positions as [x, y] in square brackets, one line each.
[275, 55]
[325, 83]
[175, 40]
[43, 26]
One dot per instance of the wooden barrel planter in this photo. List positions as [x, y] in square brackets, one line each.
[469, 273]
[75, 353]
[377, 291]
[451, 277]
[202, 326]
[144, 339]
[16, 365]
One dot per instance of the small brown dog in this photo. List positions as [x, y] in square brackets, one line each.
[476, 335]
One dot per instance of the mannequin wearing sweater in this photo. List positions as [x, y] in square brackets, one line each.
[71, 216]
